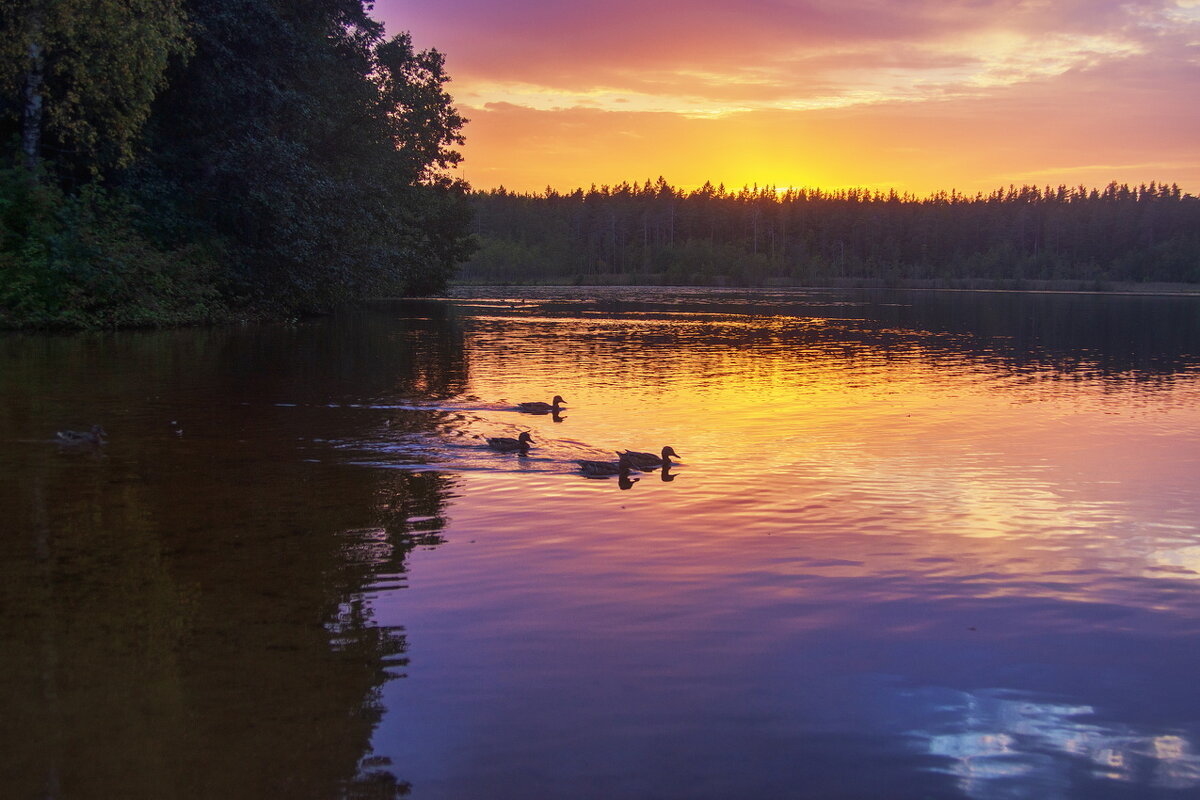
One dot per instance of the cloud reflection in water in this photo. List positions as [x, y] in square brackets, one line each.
[999, 739]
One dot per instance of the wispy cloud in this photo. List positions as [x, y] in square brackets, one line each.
[764, 63]
[1058, 172]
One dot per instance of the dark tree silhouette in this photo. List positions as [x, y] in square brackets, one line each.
[655, 233]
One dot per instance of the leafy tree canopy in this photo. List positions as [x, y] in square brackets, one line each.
[290, 138]
[94, 66]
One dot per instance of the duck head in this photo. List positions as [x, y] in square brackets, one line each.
[525, 438]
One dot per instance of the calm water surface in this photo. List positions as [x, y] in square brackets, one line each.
[921, 545]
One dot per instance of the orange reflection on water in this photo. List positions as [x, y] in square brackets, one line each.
[929, 529]
[802, 428]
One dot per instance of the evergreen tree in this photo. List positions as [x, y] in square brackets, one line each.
[757, 235]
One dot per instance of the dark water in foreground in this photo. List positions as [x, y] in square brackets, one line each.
[923, 545]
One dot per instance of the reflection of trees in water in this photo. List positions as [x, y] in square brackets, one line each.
[394, 349]
[162, 645]
[410, 512]
[186, 616]
[1140, 337]
[1093, 337]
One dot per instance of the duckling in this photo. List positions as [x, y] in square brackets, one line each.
[542, 408]
[75, 438]
[649, 460]
[507, 444]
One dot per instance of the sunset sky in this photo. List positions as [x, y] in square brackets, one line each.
[917, 95]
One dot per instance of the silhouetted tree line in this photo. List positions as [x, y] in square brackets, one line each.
[657, 233]
[173, 160]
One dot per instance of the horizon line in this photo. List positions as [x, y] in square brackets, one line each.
[758, 188]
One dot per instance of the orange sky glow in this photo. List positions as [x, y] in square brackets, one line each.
[917, 95]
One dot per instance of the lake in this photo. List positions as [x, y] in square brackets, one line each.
[919, 545]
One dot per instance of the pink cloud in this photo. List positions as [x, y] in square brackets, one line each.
[1019, 87]
[566, 43]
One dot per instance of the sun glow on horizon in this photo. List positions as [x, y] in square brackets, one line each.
[931, 97]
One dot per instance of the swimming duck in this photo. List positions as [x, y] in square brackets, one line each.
[93, 437]
[542, 408]
[507, 444]
[649, 460]
[604, 469]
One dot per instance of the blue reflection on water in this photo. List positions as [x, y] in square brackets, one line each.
[918, 549]
[999, 740]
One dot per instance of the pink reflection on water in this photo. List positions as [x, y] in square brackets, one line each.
[850, 512]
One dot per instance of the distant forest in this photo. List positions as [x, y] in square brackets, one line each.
[173, 161]
[656, 233]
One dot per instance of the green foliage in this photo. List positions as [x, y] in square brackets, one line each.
[295, 159]
[316, 155]
[759, 236]
[104, 62]
[423, 124]
[78, 261]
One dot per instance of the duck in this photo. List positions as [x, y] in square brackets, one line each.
[605, 469]
[506, 444]
[542, 408]
[649, 460]
[93, 437]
